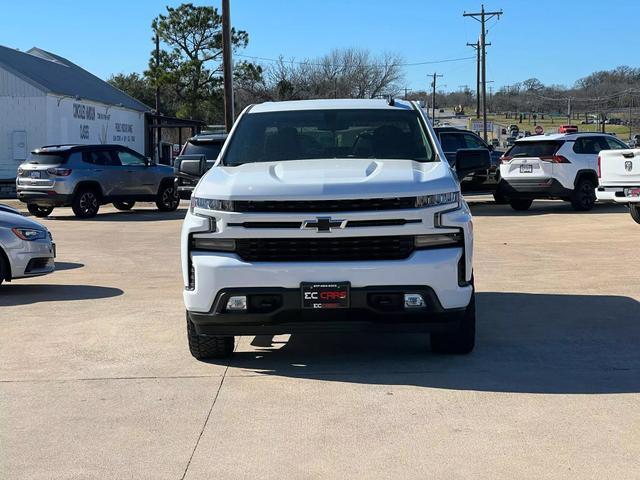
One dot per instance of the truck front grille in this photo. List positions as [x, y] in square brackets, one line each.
[355, 205]
[325, 249]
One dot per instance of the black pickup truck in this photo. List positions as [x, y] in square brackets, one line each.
[197, 156]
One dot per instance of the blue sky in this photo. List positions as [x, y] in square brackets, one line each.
[555, 41]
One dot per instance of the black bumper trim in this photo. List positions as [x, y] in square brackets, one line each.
[44, 198]
[526, 188]
[365, 314]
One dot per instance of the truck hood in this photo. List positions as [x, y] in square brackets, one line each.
[335, 178]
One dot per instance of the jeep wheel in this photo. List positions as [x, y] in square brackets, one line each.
[38, 210]
[634, 209]
[124, 206]
[206, 346]
[86, 203]
[583, 197]
[168, 199]
[463, 341]
[520, 205]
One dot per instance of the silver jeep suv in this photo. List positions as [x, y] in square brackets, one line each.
[87, 176]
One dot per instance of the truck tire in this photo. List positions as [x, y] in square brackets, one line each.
[39, 210]
[86, 203]
[124, 206]
[168, 199]
[461, 342]
[206, 346]
[4, 268]
[499, 198]
[583, 197]
[634, 209]
[520, 205]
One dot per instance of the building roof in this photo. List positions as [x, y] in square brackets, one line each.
[339, 104]
[57, 75]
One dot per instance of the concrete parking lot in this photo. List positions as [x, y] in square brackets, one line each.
[96, 380]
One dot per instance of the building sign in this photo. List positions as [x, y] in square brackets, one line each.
[477, 126]
[85, 122]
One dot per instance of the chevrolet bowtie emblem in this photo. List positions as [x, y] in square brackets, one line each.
[324, 224]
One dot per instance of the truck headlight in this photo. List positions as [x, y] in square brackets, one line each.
[211, 204]
[438, 199]
[29, 234]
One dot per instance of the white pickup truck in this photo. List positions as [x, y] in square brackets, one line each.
[327, 216]
[619, 178]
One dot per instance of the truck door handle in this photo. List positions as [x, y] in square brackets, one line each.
[98, 170]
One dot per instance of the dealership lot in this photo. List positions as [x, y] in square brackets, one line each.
[96, 380]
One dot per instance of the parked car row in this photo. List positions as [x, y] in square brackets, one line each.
[557, 166]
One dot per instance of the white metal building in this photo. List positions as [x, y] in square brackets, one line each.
[47, 100]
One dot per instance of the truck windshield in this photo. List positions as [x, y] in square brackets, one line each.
[318, 134]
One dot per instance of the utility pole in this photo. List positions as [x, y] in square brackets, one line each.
[483, 17]
[226, 65]
[433, 97]
[476, 47]
[157, 74]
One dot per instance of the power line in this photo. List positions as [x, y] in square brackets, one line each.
[304, 62]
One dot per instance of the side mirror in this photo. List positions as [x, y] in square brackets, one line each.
[191, 165]
[469, 160]
[148, 161]
[490, 147]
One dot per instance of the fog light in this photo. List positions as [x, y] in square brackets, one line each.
[413, 300]
[237, 303]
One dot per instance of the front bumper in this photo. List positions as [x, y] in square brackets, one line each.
[31, 259]
[616, 194]
[277, 310]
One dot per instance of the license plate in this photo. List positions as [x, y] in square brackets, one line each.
[632, 192]
[325, 295]
[35, 175]
[526, 168]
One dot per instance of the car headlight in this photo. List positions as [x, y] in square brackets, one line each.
[438, 199]
[211, 204]
[29, 234]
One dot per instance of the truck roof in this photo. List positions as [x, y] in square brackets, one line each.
[330, 104]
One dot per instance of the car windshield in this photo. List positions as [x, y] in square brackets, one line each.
[534, 149]
[46, 158]
[210, 150]
[317, 134]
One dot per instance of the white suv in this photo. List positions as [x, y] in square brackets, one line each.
[560, 166]
[330, 215]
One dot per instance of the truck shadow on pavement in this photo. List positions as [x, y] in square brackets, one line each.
[541, 208]
[135, 215]
[12, 295]
[536, 343]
